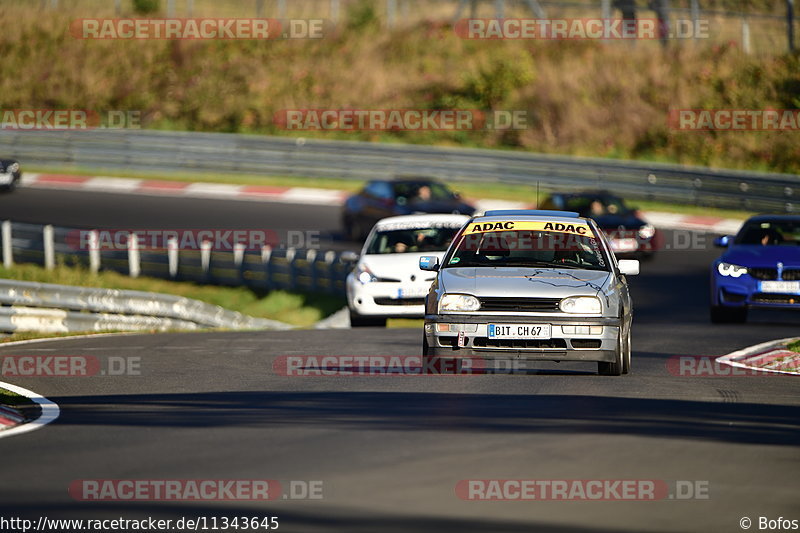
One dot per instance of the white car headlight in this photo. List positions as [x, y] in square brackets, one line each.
[734, 271]
[458, 302]
[364, 275]
[12, 168]
[581, 305]
[647, 231]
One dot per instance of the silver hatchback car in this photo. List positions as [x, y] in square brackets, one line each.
[539, 285]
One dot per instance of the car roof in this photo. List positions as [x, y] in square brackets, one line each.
[422, 219]
[530, 214]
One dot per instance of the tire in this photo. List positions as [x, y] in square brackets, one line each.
[615, 368]
[361, 321]
[727, 315]
[626, 356]
[426, 350]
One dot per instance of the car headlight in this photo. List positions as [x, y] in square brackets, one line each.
[647, 231]
[364, 275]
[734, 271]
[12, 168]
[458, 302]
[581, 305]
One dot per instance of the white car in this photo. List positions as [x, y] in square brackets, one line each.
[387, 281]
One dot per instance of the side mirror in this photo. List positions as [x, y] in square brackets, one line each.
[349, 256]
[429, 263]
[723, 242]
[629, 267]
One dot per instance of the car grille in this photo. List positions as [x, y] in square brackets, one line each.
[520, 304]
[769, 298]
[400, 301]
[791, 275]
[520, 344]
[764, 274]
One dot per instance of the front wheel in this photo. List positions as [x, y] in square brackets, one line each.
[615, 368]
[426, 350]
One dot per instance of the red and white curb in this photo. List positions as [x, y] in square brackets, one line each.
[9, 417]
[770, 356]
[313, 196]
[49, 412]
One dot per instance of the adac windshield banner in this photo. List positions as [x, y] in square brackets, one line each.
[572, 228]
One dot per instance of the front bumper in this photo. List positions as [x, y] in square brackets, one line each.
[383, 299]
[748, 292]
[474, 340]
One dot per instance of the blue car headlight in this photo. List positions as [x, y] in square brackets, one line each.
[729, 269]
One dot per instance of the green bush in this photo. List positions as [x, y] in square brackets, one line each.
[145, 7]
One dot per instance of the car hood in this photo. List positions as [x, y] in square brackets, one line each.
[523, 282]
[399, 266]
[762, 256]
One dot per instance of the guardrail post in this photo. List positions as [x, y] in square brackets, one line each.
[8, 251]
[170, 8]
[172, 256]
[311, 257]
[790, 24]
[500, 8]
[334, 11]
[134, 260]
[745, 36]
[266, 258]
[94, 251]
[330, 258]
[190, 7]
[238, 258]
[259, 8]
[118, 7]
[49, 247]
[391, 13]
[205, 256]
[290, 253]
[281, 9]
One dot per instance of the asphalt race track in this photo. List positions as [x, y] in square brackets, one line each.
[390, 450]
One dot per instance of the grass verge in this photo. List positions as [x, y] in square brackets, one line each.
[496, 191]
[296, 308]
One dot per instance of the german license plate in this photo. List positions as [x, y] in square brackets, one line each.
[519, 331]
[415, 292]
[789, 287]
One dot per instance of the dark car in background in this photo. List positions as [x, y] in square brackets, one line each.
[380, 199]
[628, 233]
[759, 269]
[10, 174]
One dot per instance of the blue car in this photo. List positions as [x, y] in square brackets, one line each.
[759, 269]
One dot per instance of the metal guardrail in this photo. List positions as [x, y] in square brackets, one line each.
[158, 151]
[265, 269]
[121, 307]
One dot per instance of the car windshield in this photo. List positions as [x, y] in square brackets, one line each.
[593, 206]
[528, 248]
[399, 241]
[422, 191]
[770, 233]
